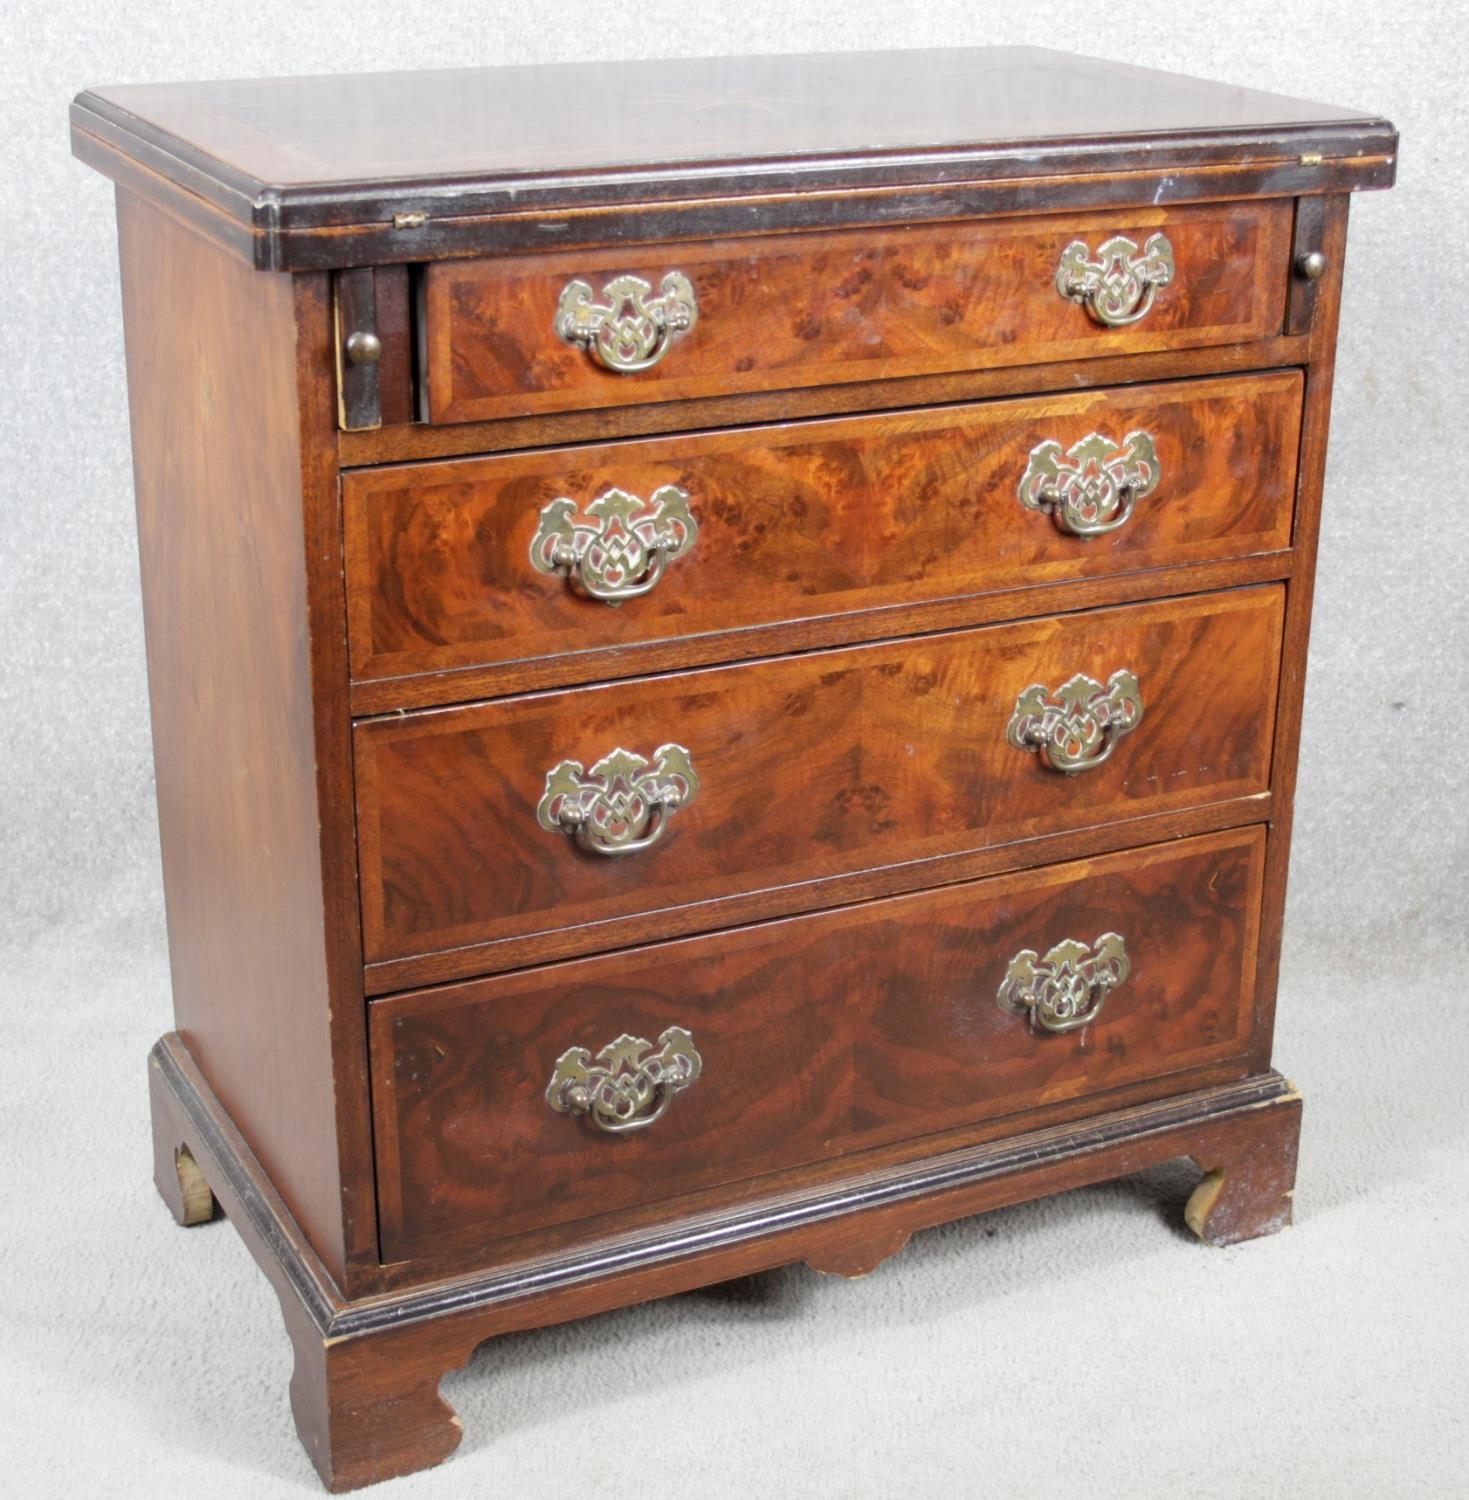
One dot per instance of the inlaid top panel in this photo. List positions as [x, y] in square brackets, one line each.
[561, 117]
[303, 153]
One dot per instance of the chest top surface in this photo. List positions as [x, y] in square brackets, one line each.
[310, 156]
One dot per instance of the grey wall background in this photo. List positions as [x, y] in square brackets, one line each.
[1330, 1362]
[1382, 828]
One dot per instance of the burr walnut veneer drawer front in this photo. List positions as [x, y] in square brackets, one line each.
[516, 336]
[556, 809]
[793, 1042]
[454, 565]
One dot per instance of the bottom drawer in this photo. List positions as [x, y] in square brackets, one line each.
[774, 1046]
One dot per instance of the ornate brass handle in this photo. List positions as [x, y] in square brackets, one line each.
[619, 550]
[1091, 488]
[1077, 727]
[622, 805]
[630, 1085]
[1117, 288]
[1064, 990]
[629, 330]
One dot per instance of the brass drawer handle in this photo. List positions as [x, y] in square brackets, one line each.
[619, 550]
[1076, 728]
[1116, 288]
[629, 330]
[630, 1085]
[1064, 990]
[1091, 487]
[622, 805]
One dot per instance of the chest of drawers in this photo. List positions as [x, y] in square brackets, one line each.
[726, 646]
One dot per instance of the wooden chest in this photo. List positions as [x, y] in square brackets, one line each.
[726, 646]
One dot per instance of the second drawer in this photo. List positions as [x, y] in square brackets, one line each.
[451, 567]
[506, 819]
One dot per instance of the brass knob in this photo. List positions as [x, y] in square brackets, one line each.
[1311, 266]
[631, 329]
[623, 804]
[618, 549]
[630, 1084]
[364, 348]
[1118, 285]
[1064, 990]
[1077, 727]
[1090, 489]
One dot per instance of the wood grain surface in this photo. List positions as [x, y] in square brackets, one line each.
[227, 467]
[799, 310]
[310, 173]
[569, 117]
[810, 766]
[802, 520]
[819, 1035]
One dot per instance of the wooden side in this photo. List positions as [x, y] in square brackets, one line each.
[803, 310]
[225, 470]
[807, 766]
[819, 1036]
[803, 520]
[1316, 423]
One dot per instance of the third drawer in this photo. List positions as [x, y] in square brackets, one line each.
[627, 800]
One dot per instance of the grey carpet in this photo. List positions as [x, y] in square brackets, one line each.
[1086, 1345]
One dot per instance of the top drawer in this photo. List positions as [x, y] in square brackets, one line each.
[520, 336]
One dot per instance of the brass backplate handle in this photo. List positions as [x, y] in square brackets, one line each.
[1090, 488]
[629, 329]
[619, 548]
[629, 1085]
[622, 804]
[1118, 283]
[1065, 990]
[1077, 727]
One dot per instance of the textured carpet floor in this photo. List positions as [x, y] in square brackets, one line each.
[1084, 1346]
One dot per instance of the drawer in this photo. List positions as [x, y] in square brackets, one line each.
[810, 1038]
[523, 335]
[454, 565]
[510, 818]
